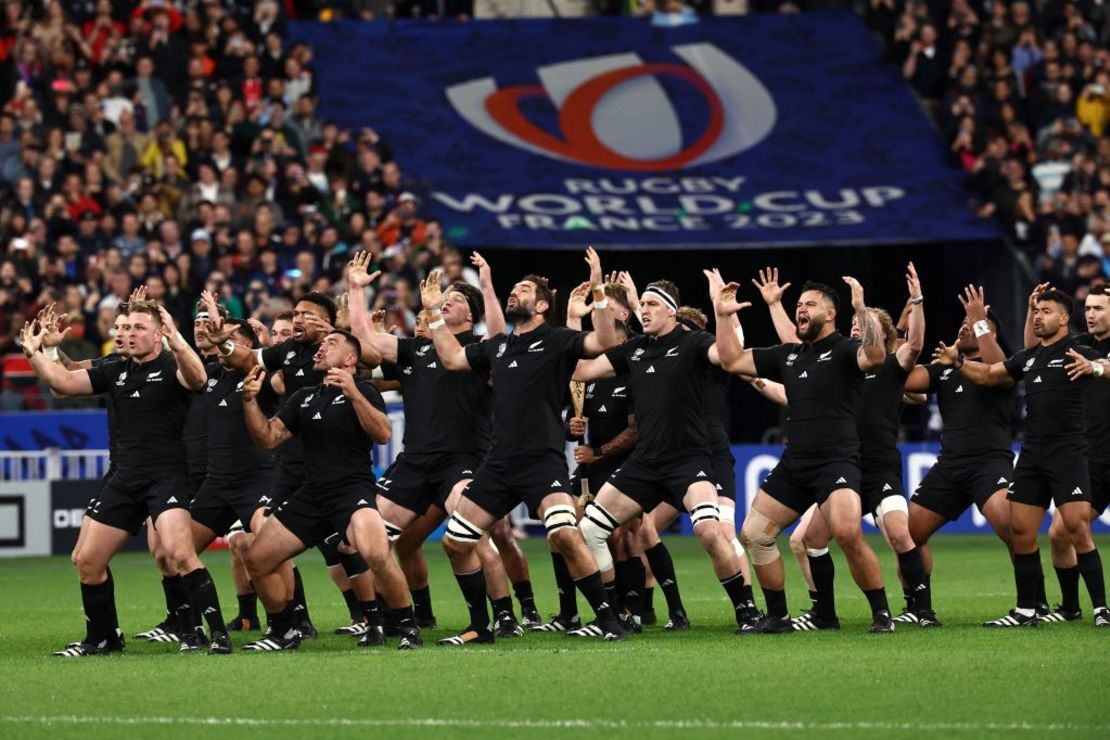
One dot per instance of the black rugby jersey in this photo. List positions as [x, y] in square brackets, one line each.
[1098, 406]
[231, 454]
[978, 419]
[1056, 407]
[880, 412]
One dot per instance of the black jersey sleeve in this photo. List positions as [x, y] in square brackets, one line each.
[768, 360]
[405, 347]
[618, 357]
[390, 371]
[477, 354]
[371, 394]
[574, 343]
[702, 341]
[849, 354]
[290, 411]
[1015, 364]
[273, 355]
[103, 374]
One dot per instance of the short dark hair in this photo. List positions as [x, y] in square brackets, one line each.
[148, 307]
[284, 316]
[473, 298]
[323, 301]
[831, 295]
[352, 339]
[543, 290]
[244, 329]
[1058, 297]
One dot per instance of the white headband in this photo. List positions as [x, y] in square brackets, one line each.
[201, 316]
[671, 302]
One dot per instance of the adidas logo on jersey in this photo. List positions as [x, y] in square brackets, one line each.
[1037, 379]
[512, 364]
[651, 369]
[136, 395]
[432, 366]
[317, 416]
[300, 373]
[1077, 492]
[959, 389]
[223, 403]
[803, 375]
[601, 410]
[886, 487]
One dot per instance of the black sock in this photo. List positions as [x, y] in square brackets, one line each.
[1029, 578]
[171, 601]
[734, 587]
[813, 597]
[523, 591]
[1090, 567]
[659, 558]
[913, 571]
[634, 587]
[823, 571]
[99, 603]
[248, 606]
[908, 595]
[473, 587]
[501, 606]
[205, 599]
[284, 620]
[183, 609]
[876, 598]
[649, 598]
[923, 597]
[403, 618]
[776, 603]
[352, 604]
[1042, 595]
[620, 584]
[611, 595]
[298, 595]
[1069, 587]
[593, 589]
[422, 603]
[568, 598]
[372, 612]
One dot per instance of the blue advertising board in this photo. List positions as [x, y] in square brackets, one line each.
[774, 130]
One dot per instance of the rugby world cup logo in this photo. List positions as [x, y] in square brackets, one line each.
[613, 113]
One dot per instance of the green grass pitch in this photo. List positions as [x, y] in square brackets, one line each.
[960, 681]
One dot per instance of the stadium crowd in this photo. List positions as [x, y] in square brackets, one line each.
[1022, 94]
[180, 146]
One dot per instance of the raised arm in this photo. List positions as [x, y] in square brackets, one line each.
[237, 356]
[577, 308]
[267, 434]
[1029, 339]
[976, 309]
[60, 380]
[495, 317]
[978, 373]
[727, 352]
[190, 368]
[372, 420]
[376, 348]
[55, 332]
[604, 334]
[918, 381]
[769, 288]
[872, 352]
[451, 353]
[910, 350]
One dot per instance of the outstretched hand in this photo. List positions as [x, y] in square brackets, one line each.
[357, 274]
[945, 354]
[431, 290]
[974, 303]
[769, 287]
[858, 304]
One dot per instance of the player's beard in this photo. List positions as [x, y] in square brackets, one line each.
[813, 329]
[520, 313]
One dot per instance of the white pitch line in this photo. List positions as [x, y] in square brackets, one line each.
[569, 724]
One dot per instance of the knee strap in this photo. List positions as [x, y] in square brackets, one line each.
[703, 513]
[392, 531]
[460, 530]
[892, 504]
[728, 514]
[559, 516]
[816, 552]
[597, 527]
[758, 535]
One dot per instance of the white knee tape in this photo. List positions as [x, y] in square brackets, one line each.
[596, 530]
[816, 552]
[891, 504]
[392, 531]
[460, 530]
[758, 535]
[559, 517]
[702, 513]
[728, 514]
[737, 547]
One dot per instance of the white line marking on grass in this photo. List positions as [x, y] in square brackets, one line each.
[555, 724]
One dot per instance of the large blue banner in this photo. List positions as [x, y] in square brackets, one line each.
[760, 130]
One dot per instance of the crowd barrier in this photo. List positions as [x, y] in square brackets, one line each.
[44, 489]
